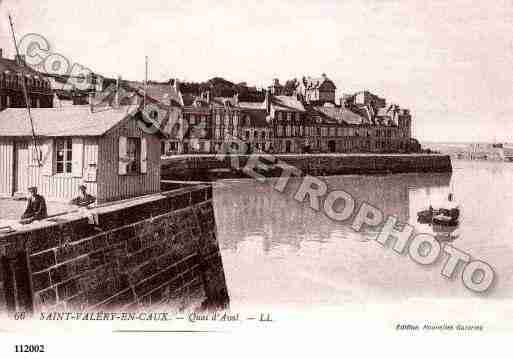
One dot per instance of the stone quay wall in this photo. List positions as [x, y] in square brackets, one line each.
[157, 250]
[211, 167]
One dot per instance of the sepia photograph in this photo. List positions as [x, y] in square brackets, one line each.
[284, 176]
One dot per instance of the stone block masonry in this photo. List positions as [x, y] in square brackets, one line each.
[156, 250]
[212, 167]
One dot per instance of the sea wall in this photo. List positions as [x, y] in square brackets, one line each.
[150, 251]
[211, 167]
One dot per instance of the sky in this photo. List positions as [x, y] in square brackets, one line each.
[450, 62]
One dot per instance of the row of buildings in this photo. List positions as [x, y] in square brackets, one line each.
[308, 120]
[112, 137]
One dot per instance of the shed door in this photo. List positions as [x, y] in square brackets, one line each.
[22, 167]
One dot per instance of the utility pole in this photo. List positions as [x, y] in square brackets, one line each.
[25, 94]
[145, 80]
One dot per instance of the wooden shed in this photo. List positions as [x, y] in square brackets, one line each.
[104, 149]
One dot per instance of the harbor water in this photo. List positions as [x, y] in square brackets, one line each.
[280, 253]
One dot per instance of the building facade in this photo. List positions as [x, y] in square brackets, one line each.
[196, 130]
[256, 132]
[318, 90]
[288, 120]
[13, 73]
[310, 121]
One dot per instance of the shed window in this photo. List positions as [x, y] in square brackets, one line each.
[64, 156]
[133, 154]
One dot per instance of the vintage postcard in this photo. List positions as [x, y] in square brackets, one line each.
[260, 178]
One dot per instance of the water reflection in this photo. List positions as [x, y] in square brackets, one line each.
[246, 209]
[280, 252]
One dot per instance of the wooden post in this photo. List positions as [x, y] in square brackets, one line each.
[14, 167]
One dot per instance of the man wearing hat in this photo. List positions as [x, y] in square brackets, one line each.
[84, 199]
[36, 207]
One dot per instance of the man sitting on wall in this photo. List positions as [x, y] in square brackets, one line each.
[36, 207]
[84, 199]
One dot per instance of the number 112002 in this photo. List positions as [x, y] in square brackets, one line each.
[26, 348]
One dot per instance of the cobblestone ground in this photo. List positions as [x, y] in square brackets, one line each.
[10, 209]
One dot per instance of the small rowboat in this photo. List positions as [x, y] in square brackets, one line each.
[443, 220]
[425, 216]
[441, 217]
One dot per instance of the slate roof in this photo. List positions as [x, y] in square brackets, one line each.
[65, 121]
[252, 105]
[12, 66]
[316, 82]
[163, 93]
[287, 103]
[194, 104]
[221, 101]
[383, 112]
[340, 115]
[188, 98]
[257, 118]
[127, 96]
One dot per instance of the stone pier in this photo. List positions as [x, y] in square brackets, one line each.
[212, 167]
[157, 250]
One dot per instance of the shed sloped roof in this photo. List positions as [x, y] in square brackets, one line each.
[65, 121]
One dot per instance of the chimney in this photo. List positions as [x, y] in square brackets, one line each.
[268, 101]
[116, 95]
[20, 60]
[91, 97]
[236, 99]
